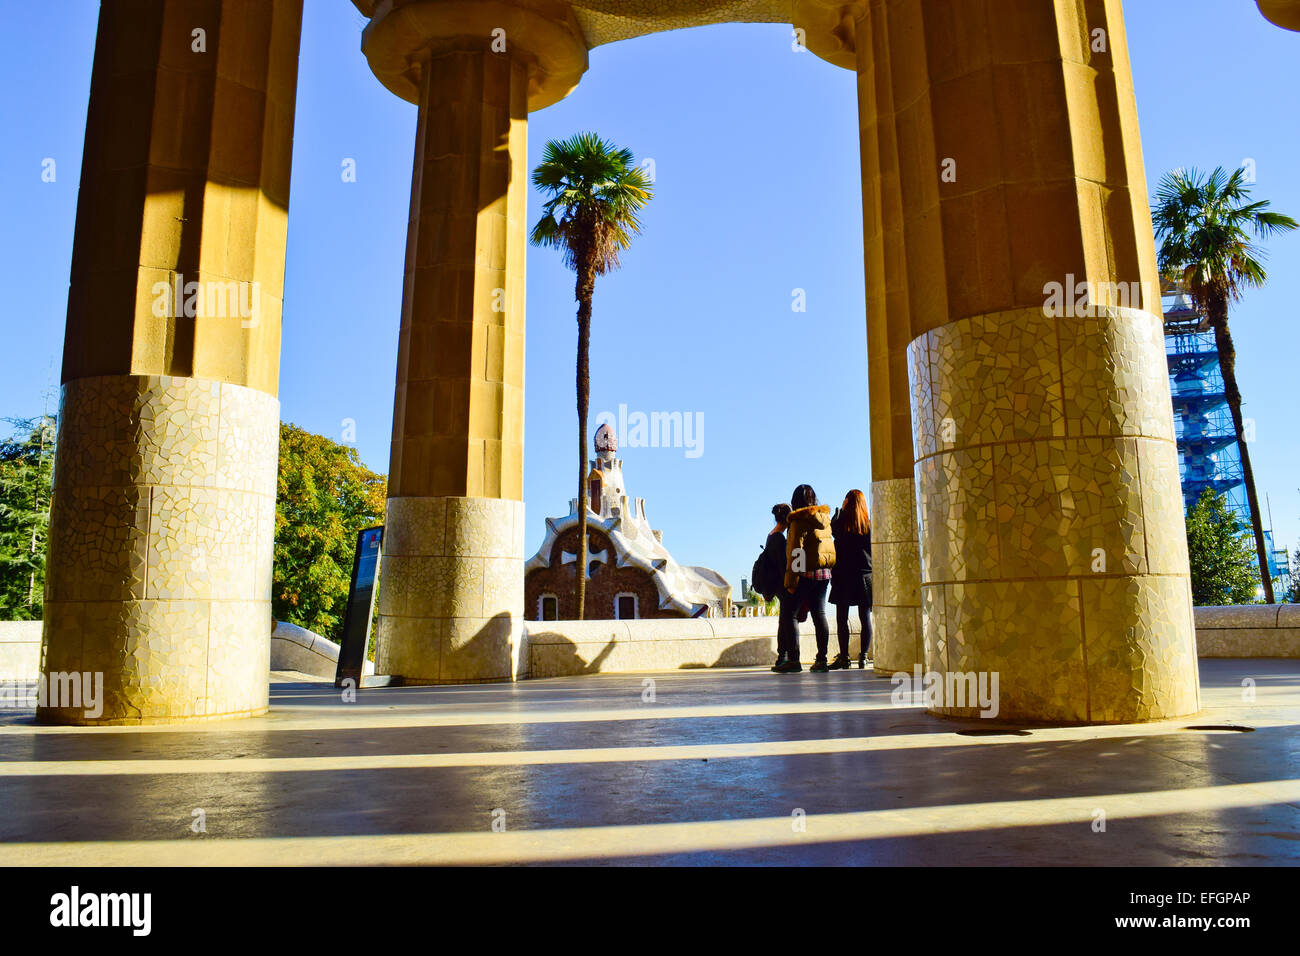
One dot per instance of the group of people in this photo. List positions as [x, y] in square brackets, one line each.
[808, 552]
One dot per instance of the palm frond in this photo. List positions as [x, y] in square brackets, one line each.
[594, 192]
[1205, 224]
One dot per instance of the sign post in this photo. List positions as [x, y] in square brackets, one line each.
[361, 604]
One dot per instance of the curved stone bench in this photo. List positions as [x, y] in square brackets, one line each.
[564, 648]
[20, 650]
[295, 648]
[559, 648]
[1248, 630]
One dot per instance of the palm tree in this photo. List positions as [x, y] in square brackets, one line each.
[595, 192]
[1205, 225]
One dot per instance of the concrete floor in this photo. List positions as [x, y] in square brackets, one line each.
[722, 767]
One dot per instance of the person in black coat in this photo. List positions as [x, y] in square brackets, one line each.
[851, 577]
[787, 649]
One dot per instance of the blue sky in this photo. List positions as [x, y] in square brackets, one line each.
[756, 160]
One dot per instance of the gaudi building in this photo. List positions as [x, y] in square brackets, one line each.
[630, 573]
[1025, 489]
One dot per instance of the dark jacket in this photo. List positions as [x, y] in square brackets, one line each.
[773, 564]
[810, 529]
[851, 578]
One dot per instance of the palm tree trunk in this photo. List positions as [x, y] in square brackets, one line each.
[585, 288]
[1218, 315]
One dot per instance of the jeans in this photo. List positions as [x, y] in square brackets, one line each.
[814, 593]
[787, 636]
[842, 627]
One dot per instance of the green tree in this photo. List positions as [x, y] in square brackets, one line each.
[1205, 224]
[1294, 596]
[1220, 553]
[324, 496]
[594, 193]
[755, 600]
[26, 478]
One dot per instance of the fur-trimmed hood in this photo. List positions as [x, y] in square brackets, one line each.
[815, 516]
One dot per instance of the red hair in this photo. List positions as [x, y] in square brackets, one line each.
[853, 515]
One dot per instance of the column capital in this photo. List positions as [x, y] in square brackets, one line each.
[1282, 13]
[829, 27]
[544, 34]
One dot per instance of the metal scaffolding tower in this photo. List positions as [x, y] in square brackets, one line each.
[1208, 455]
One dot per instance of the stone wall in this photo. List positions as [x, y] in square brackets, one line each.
[561, 648]
[293, 648]
[20, 650]
[1248, 630]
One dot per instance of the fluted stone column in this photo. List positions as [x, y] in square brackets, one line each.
[1052, 544]
[163, 515]
[452, 592]
[896, 640]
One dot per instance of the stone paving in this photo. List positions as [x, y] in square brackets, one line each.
[733, 766]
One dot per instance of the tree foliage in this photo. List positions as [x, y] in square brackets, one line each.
[761, 607]
[324, 496]
[1205, 224]
[1220, 552]
[26, 479]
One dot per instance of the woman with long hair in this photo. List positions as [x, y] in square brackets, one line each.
[851, 577]
[810, 556]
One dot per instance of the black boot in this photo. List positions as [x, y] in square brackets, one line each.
[819, 665]
[780, 659]
[788, 667]
[841, 663]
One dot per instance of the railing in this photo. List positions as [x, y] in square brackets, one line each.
[1190, 343]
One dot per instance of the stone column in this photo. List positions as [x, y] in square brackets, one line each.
[894, 544]
[451, 598]
[896, 578]
[163, 518]
[1052, 542]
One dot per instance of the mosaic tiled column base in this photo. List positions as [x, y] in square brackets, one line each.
[1053, 550]
[451, 596]
[161, 539]
[896, 577]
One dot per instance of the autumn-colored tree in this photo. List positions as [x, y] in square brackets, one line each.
[324, 496]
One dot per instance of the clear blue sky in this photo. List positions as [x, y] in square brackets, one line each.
[756, 155]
